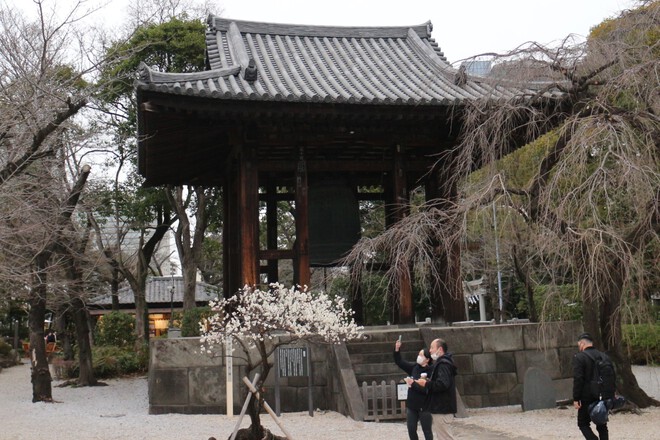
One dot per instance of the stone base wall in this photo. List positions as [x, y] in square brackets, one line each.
[491, 359]
[184, 379]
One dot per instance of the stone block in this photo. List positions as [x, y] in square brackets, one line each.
[319, 353]
[295, 381]
[181, 353]
[207, 386]
[459, 384]
[552, 335]
[501, 383]
[538, 391]
[464, 363]
[297, 399]
[168, 387]
[496, 400]
[461, 409]
[516, 395]
[566, 361]
[505, 362]
[475, 384]
[502, 337]
[288, 399]
[320, 374]
[473, 401]
[463, 340]
[563, 389]
[484, 363]
[547, 361]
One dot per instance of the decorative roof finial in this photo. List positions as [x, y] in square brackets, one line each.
[251, 72]
[460, 79]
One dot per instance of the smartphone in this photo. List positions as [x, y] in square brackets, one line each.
[400, 338]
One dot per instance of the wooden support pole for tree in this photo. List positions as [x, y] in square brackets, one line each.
[244, 409]
[269, 410]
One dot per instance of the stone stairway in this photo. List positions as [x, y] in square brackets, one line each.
[372, 359]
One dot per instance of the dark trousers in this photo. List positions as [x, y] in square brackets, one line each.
[425, 419]
[584, 423]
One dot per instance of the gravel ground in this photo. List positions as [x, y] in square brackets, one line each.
[120, 411]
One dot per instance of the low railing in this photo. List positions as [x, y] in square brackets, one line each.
[381, 401]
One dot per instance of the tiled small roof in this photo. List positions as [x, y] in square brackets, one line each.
[159, 291]
[295, 63]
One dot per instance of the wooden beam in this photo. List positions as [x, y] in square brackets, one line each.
[302, 222]
[277, 254]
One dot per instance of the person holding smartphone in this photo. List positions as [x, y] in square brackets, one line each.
[415, 403]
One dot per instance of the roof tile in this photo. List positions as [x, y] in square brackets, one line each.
[364, 65]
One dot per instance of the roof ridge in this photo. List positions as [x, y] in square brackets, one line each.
[255, 27]
[154, 76]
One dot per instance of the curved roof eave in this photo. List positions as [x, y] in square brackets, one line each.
[326, 64]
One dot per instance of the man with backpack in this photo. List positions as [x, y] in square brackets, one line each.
[593, 380]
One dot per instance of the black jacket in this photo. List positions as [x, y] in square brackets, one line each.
[416, 395]
[441, 388]
[583, 367]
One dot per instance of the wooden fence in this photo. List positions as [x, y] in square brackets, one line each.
[381, 403]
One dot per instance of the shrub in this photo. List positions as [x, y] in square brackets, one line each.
[5, 348]
[191, 318]
[116, 329]
[642, 342]
[110, 361]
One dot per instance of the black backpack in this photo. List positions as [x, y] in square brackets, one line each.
[603, 379]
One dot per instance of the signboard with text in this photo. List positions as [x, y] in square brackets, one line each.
[293, 362]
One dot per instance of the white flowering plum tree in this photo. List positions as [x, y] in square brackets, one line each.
[259, 321]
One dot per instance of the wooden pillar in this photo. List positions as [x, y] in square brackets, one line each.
[271, 228]
[447, 300]
[230, 230]
[302, 223]
[248, 195]
[406, 314]
[357, 305]
[241, 214]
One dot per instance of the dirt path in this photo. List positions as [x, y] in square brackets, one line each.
[120, 411]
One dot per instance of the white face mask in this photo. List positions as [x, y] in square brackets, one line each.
[435, 356]
[420, 360]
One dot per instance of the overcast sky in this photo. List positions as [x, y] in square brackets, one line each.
[462, 28]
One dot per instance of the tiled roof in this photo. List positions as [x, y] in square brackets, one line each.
[295, 63]
[159, 291]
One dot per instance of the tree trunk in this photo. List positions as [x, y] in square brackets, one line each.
[189, 272]
[138, 285]
[523, 277]
[602, 318]
[114, 285]
[188, 243]
[63, 336]
[41, 379]
[86, 376]
[612, 337]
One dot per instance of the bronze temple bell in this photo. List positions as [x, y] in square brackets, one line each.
[334, 221]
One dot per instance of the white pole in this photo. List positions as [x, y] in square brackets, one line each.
[497, 259]
[482, 308]
[229, 367]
